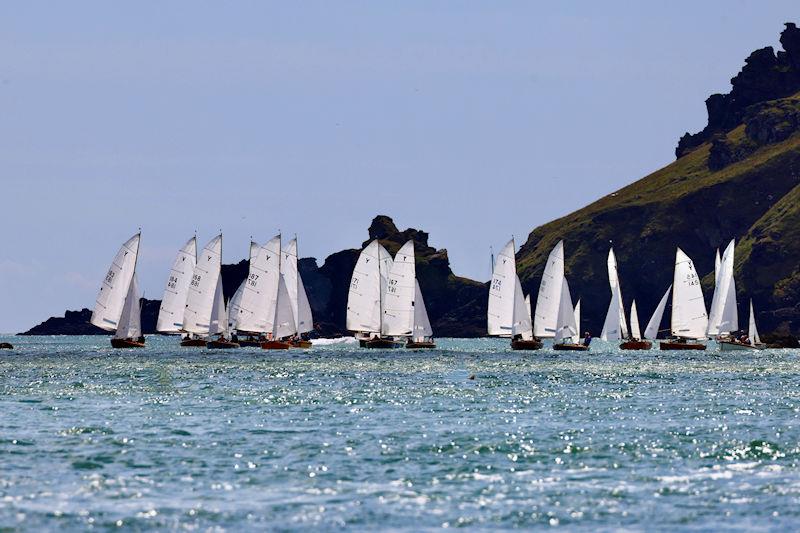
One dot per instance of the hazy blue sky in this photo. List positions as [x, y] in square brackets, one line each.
[471, 120]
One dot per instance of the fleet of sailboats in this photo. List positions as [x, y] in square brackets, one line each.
[386, 309]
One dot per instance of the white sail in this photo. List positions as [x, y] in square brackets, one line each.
[233, 304]
[219, 316]
[636, 333]
[752, 332]
[651, 331]
[422, 326]
[304, 320]
[612, 327]
[130, 322]
[547, 302]
[257, 305]
[566, 328]
[365, 293]
[614, 283]
[521, 318]
[689, 318]
[283, 323]
[200, 299]
[111, 298]
[173, 302]
[577, 313]
[398, 305]
[297, 292]
[717, 264]
[500, 312]
[723, 314]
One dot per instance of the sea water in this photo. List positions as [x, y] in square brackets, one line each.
[185, 438]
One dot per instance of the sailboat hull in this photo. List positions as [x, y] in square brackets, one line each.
[569, 347]
[533, 344]
[636, 345]
[193, 343]
[419, 345]
[220, 344]
[731, 346]
[680, 345]
[384, 344]
[127, 343]
[275, 345]
[301, 343]
[6, 346]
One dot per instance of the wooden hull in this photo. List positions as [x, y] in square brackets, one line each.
[677, 345]
[569, 347]
[384, 344]
[636, 345]
[193, 343]
[533, 344]
[301, 343]
[250, 343]
[275, 345]
[420, 345]
[127, 343]
[731, 346]
[6, 346]
[221, 345]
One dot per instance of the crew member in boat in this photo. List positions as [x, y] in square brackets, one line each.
[744, 339]
[587, 339]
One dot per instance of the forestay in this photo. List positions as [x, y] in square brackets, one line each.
[500, 312]
[115, 287]
[689, 318]
[398, 307]
[200, 298]
[547, 302]
[173, 302]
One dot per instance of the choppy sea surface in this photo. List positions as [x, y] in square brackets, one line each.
[180, 438]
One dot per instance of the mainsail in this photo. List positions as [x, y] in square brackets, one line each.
[130, 322]
[233, 304]
[636, 333]
[547, 302]
[257, 304]
[115, 287]
[651, 331]
[723, 316]
[367, 289]
[502, 292]
[612, 327]
[200, 298]
[689, 318]
[398, 306]
[173, 303]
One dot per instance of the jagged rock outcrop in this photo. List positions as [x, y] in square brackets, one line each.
[765, 76]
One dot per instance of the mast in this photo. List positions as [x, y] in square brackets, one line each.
[380, 292]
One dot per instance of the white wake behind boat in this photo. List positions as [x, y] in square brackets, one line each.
[117, 307]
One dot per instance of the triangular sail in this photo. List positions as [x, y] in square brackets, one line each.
[200, 299]
[130, 322]
[723, 315]
[219, 315]
[173, 303]
[614, 283]
[636, 333]
[304, 320]
[520, 320]
[398, 306]
[612, 328]
[297, 291]
[717, 264]
[549, 297]
[233, 304]
[566, 328]
[111, 298]
[257, 305]
[284, 318]
[752, 332]
[577, 313]
[367, 286]
[689, 318]
[422, 326]
[528, 308]
[500, 313]
[651, 331]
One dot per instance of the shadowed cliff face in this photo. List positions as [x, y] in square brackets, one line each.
[456, 306]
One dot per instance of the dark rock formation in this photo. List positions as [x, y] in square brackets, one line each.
[765, 76]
